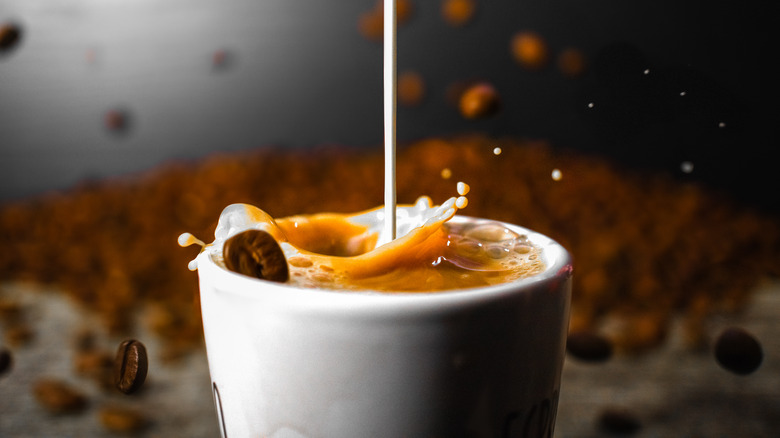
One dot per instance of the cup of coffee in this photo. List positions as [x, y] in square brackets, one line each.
[289, 360]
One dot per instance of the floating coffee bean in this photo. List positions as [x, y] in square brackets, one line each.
[9, 36]
[255, 253]
[479, 100]
[122, 419]
[130, 366]
[97, 365]
[458, 12]
[411, 88]
[589, 346]
[58, 397]
[618, 421]
[738, 351]
[5, 361]
[529, 49]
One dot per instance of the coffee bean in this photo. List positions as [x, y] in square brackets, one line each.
[529, 50]
[10, 34]
[6, 360]
[116, 120]
[19, 334]
[130, 366]
[255, 253]
[122, 419]
[618, 421]
[58, 397]
[411, 88]
[97, 365]
[479, 100]
[589, 346]
[738, 351]
[571, 62]
[458, 12]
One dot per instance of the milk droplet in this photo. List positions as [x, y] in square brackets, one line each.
[187, 239]
[461, 202]
[463, 188]
[721, 125]
[557, 175]
[496, 151]
[446, 173]
[686, 166]
[647, 71]
[590, 105]
[682, 93]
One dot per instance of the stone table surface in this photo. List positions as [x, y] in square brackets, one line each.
[672, 391]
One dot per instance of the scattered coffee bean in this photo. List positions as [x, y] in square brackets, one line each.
[571, 62]
[371, 23]
[122, 419]
[117, 120]
[529, 50]
[97, 365]
[19, 334]
[479, 100]
[222, 59]
[458, 12]
[738, 351]
[589, 346]
[411, 88]
[6, 360]
[10, 34]
[10, 311]
[618, 421]
[255, 253]
[130, 366]
[59, 397]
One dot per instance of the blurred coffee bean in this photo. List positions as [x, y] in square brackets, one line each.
[589, 346]
[478, 101]
[10, 310]
[529, 49]
[19, 334]
[6, 360]
[58, 397]
[97, 365]
[122, 419]
[571, 62]
[130, 366]
[117, 120]
[255, 253]
[371, 22]
[411, 88]
[10, 33]
[458, 12]
[738, 351]
[618, 421]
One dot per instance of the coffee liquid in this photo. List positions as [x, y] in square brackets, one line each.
[431, 253]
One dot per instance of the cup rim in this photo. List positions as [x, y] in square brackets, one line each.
[558, 266]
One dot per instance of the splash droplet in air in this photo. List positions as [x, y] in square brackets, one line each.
[187, 239]
[497, 151]
[556, 175]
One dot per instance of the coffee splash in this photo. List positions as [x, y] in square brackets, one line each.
[353, 251]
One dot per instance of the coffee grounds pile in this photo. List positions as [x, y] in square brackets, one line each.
[645, 247]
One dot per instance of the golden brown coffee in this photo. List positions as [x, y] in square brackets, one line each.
[348, 252]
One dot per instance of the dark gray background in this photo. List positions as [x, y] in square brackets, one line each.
[300, 75]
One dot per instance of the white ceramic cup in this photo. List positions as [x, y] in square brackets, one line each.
[291, 362]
